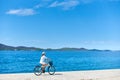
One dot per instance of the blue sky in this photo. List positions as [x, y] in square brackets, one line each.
[61, 23]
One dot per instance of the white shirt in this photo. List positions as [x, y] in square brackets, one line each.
[43, 60]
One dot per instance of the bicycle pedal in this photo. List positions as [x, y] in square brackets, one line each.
[43, 71]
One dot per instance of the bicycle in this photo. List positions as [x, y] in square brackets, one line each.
[50, 68]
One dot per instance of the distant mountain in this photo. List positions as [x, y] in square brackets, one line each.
[67, 48]
[6, 47]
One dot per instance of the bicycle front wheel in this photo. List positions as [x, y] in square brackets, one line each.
[37, 70]
[51, 70]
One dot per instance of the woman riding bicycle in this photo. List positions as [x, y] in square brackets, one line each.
[43, 61]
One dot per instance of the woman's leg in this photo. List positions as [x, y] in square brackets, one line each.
[43, 67]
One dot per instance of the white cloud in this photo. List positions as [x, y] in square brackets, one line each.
[38, 6]
[68, 4]
[65, 4]
[21, 12]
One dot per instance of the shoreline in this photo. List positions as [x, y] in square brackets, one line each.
[111, 74]
[62, 71]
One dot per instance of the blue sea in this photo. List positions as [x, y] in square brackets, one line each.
[25, 61]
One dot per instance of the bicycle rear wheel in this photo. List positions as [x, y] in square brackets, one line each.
[37, 70]
[51, 70]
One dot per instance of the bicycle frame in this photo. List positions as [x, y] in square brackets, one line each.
[49, 67]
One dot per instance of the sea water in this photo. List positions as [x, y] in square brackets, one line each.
[73, 60]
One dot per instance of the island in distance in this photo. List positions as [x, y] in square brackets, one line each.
[4, 47]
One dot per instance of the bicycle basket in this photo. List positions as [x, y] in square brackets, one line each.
[51, 63]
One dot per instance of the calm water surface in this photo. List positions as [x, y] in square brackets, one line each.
[24, 61]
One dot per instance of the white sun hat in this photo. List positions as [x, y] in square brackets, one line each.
[43, 53]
